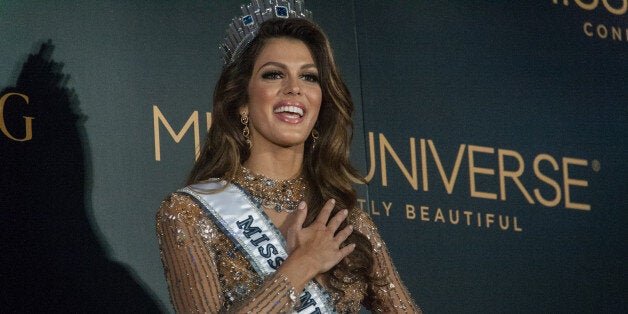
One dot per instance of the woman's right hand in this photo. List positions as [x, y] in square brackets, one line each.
[316, 248]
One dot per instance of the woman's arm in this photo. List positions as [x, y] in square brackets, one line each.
[190, 266]
[386, 293]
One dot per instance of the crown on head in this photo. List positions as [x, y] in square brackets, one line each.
[242, 30]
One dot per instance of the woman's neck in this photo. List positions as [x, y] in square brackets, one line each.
[279, 164]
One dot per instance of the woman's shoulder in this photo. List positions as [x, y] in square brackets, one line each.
[179, 206]
[185, 206]
[361, 220]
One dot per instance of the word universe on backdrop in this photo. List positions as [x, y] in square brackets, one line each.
[481, 172]
[602, 23]
[472, 172]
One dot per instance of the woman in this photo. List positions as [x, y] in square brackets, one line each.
[268, 222]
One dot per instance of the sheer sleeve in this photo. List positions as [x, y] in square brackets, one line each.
[386, 293]
[188, 247]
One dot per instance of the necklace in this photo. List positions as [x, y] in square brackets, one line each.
[279, 195]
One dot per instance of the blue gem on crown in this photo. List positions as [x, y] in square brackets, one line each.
[281, 11]
[242, 30]
[248, 20]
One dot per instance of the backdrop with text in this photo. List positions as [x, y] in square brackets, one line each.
[493, 136]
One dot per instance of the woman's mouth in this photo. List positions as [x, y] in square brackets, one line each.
[289, 113]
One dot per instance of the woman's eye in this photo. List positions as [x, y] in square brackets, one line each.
[272, 75]
[310, 77]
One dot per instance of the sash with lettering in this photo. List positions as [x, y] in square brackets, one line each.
[255, 236]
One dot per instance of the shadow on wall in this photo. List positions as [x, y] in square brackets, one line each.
[52, 260]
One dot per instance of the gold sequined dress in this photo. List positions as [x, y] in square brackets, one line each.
[207, 273]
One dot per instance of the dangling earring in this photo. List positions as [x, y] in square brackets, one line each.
[314, 138]
[244, 119]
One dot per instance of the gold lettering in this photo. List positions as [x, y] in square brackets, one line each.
[514, 175]
[490, 219]
[510, 166]
[193, 120]
[601, 31]
[468, 214]
[361, 203]
[587, 6]
[586, 27]
[504, 225]
[425, 213]
[439, 216]
[616, 33]
[424, 165]
[451, 181]
[374, 211]
[473, 170]
[620, 11]
[594, 4]
[451, 218]
[410, 212]
[384, 146]
[565, 2]
[515, 225]
[28, 121]
[387, 208]
[568, 182]
[546, 179]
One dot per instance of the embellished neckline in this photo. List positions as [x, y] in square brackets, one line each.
[279, 195]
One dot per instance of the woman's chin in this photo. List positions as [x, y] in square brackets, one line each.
[292, 141]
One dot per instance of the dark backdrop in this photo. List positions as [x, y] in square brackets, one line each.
[492, 134]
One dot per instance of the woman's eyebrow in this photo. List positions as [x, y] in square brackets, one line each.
[283, 66]
[309, 65]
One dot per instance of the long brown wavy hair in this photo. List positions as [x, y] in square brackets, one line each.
[326, 166]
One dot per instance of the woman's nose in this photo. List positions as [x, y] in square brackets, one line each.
[292, 87]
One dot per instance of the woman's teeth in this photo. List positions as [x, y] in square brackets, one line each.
[289, 109]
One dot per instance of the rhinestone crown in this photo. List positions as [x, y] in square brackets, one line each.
[242, 30]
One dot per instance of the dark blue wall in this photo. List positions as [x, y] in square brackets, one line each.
[468, 112]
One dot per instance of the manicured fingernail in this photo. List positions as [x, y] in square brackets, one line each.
[333, 201]
[301, 205]
[345, 212]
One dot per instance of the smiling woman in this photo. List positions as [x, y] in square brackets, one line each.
[284, 99]
[268, 222]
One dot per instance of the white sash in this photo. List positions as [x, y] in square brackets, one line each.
[255, 236]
